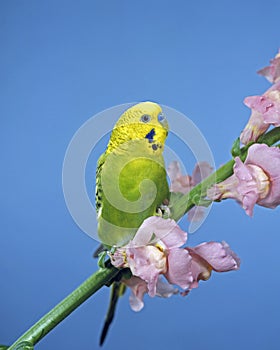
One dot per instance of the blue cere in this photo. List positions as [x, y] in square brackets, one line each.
[160, 117]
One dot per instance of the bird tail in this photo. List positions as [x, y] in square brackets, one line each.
[117, 290]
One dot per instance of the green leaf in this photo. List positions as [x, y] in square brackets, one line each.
[235, 150]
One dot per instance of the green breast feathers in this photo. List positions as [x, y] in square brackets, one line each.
[130, 185]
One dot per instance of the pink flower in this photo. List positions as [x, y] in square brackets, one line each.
[147, 258]
[265, 112]
[156, 251]
[184, 183]
[272, 72]
[210, 256]
[139, 289]
[256, 181]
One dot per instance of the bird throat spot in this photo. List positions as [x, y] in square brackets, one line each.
[150, 135]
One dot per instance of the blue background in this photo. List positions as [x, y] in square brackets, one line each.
[62, 62]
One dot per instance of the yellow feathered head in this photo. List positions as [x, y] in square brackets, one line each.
[144, 120]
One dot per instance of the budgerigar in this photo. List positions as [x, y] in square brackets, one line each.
[131, 179]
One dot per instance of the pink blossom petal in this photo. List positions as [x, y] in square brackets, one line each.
[144, 233]
[272, 72]
[265, 112]
[164, 289]
[175, 237]
[254, 128]
[166, 230]
[224, 189]
[200, 269]
[272, 112]
[218, 255]
[179, 183]
[247, 191]
[147, 263]
[251, 182]
[200, 172]
[173, 171]
[118, 258]
[248, 202]
[138, 289]
[267, 158]
[241, 171]
[179, 268]
[261, 104]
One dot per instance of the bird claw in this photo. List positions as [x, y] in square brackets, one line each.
[163, 211]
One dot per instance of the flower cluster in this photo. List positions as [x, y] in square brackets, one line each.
[157, 253]
[257, 180]
[265, 108]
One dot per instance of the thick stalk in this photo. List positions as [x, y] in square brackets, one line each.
[64, 308]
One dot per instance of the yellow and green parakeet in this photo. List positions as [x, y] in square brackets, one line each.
[131, 177]
[131, 181]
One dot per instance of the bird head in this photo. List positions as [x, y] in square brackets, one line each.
[144, 120]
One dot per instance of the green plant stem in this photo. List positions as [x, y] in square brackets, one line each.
[64, 308]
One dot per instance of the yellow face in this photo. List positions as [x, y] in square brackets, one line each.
[144, 120]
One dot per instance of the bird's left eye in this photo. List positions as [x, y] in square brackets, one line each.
[160, 117]
[145, 118]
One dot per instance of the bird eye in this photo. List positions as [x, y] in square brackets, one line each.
[145, 118]
[160, 117]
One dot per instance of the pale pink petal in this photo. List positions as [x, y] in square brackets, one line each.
[200, 172]
[224, 189]
[218, 255]
[138, 289]
[265, 112]
[164, 289]
[144, 233]
[241, 171]
[147, 263]
[175, 237]
[248, 202]
[200, 269]
[272, 112]
[241, 186]
[254, 128]
[118, 258]
[179, 183]
[272, 72]
[166, 230]
[173, 171]
[267, 158]
[261, 104]
[228, 187]
[179, 268]
[246, 188]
